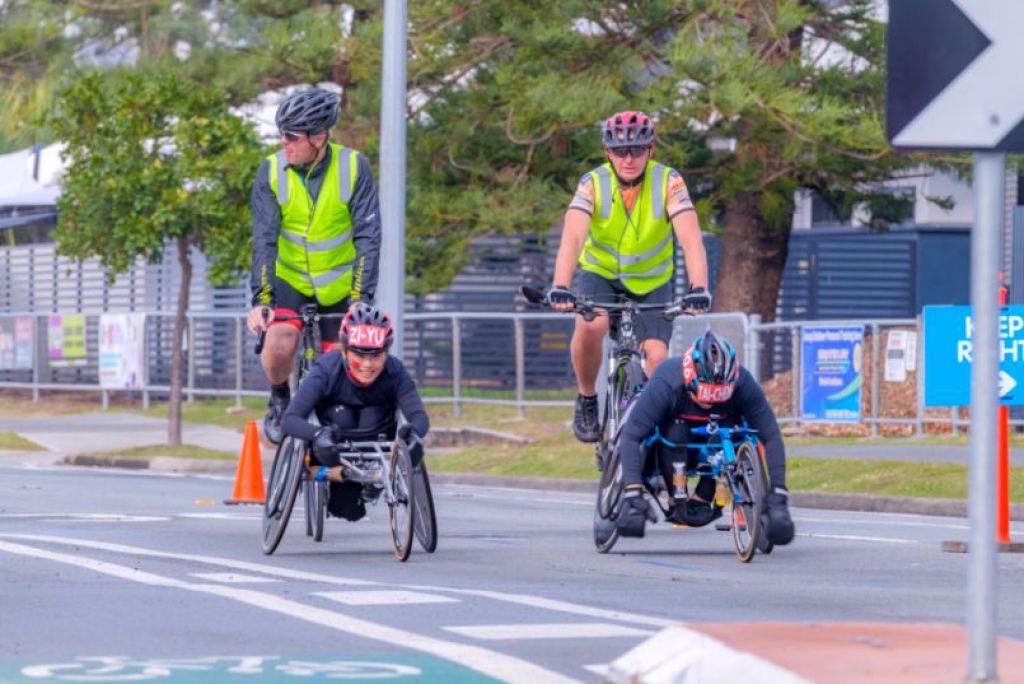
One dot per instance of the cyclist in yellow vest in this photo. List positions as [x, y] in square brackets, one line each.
[316, 237]
[619, 229]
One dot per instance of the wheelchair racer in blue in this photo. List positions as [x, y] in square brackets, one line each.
[356, 393]
[682, 394]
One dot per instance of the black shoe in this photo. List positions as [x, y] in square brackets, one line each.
[694, 513]
[276, 406]
[780, 524]
[584, 423]
[346, 501]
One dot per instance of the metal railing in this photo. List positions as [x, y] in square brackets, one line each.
[218, 360]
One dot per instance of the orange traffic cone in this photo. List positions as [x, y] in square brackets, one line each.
[249, 476]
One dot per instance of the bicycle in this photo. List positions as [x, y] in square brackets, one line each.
[406, 488]
[286, 473]
[733, 457]
[626, 374]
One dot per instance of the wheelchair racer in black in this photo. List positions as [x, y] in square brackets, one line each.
[683, 393]
[356, 392]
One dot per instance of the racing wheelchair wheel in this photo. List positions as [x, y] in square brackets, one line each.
[401, 508]
[748, 502]
[424, 519]
[282, 489]
[609, 496]
[316, 505]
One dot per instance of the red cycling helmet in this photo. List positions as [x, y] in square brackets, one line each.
[366, 329]
[627, 129]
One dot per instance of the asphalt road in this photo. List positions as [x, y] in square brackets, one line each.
[122, 573]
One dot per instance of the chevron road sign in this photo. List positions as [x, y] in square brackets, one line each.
[956, 74]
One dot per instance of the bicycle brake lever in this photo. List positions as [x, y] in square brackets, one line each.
[262, 337]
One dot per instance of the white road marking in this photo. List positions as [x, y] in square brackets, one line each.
[564, 630]
[87, 517]
[554, 605]
[521, 599]
[854, 537]
[224, 516]
[232, 577]
[600, 670]
[383, 597]
[491, 663]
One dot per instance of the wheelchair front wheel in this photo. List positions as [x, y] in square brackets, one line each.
[282, 490]
[401, 508]
[316, 505]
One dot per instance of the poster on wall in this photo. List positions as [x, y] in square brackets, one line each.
[17, 337]
[832, 372]
[65, 337]
[122, 360]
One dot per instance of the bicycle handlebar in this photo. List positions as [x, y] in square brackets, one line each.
[591, 309]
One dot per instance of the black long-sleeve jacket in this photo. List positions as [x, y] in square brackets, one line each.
[329, 390]
[665, 401]
[364, 208]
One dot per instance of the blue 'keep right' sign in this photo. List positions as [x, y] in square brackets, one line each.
[948, 352]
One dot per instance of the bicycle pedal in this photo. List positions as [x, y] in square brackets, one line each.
[723, 527]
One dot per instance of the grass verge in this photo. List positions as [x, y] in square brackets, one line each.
[550, 458]
[156, 450]
[12, 442]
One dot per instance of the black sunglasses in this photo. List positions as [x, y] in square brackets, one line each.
[292, 137]
[635, 151]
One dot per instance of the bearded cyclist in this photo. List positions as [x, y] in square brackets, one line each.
[683, 393]
[619, 229]
[355, 393]
[316, 237]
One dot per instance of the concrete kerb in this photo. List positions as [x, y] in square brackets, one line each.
[953, 508]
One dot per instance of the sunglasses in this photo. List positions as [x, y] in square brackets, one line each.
[292, 137]
[634, 151]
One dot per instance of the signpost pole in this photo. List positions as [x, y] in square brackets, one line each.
[981, 569]
[1003, 467]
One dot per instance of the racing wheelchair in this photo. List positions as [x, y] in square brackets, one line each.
[730, 455]
[379, 467]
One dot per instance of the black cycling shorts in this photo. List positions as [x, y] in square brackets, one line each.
[288, 302]
[651, 324]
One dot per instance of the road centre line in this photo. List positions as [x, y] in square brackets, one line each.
[520, 599]
[491, 663]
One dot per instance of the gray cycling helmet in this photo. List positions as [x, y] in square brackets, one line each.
[308, 111]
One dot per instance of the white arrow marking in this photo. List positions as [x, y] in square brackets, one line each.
[1006, 383]
[986, 100]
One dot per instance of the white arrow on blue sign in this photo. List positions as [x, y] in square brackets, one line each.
[948, 352]
[954, 74]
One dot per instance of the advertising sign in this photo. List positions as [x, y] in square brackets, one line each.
[122, 359]
[66, 340]
[832, 373]
[17, 337]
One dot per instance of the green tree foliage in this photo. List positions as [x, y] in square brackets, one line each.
[154, 160]
[505, 100]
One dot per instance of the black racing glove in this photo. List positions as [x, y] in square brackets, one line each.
[323, 445]
[560, 295]
[412, 442]
[697, 299]
[633, 515]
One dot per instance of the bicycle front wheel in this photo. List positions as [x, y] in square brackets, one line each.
[748, 502]
[609, 487]
[282, 489]
[424, 520]
[401, 509]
